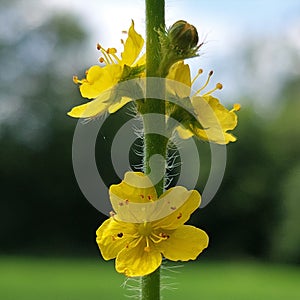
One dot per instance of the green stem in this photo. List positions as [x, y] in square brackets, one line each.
[154, 144]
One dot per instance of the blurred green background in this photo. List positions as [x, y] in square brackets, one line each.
[47, 232]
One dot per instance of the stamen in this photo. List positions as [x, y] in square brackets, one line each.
[200, 71]
[116, 57]
[218, 86]
[147, 248]
[161, 237]
[236, 107]
[106, 57]
[75, 79]
[98, 46]
[111, 51]
[134, 243]
[205, 84]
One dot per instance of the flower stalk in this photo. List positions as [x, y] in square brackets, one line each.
[153, 143]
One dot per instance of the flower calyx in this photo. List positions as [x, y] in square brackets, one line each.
[178, 42]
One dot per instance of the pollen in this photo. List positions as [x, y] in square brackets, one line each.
[236, 107]
[111, 51]
[120, 235]
[179, 216]
[219, 86]
[147, 249]
[200, 71]
[150, 197]
[163, 235]
[75, 79]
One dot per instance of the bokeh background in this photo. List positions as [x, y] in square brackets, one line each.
[47, 232]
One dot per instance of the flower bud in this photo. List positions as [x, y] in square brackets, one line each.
[183, 36]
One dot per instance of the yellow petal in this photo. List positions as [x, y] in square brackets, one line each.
[92, 108]
[136, 261]
[132, 198]
[136, 187]
[132, 47]
[178, 215]
[185, 243]
[184, 133]
[116, 106]
[113, 236]
[99, 79]
[215, 119]
[180, 75]
[141, 60]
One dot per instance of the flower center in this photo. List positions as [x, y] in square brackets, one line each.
[145, 229]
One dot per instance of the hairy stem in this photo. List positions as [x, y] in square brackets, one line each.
[155, 145]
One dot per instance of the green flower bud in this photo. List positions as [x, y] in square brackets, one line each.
[183, 36]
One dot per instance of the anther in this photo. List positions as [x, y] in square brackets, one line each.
[206, 82]
[149, 197]
[147, 248]
[236, 107]
[111, 51]
[200, 71]
[99, 47]
[101, 59]
[218, 86]
[75, 79]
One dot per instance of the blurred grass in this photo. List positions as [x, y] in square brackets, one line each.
[59, 279]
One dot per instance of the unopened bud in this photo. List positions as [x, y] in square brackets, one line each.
[183, 36]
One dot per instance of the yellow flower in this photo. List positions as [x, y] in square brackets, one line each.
[99, 81]
[214, 119]
[144, 228]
